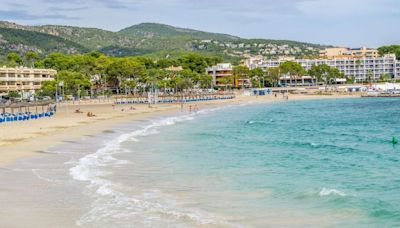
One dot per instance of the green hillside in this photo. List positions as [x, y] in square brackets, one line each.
[92, 38]
[151, 30]
[156, 40]
[23, 41]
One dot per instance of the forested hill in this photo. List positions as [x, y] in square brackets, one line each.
[150, 30]
[144, 39]
[24, 41]
[91, 38]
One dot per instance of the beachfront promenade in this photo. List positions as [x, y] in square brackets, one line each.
[175, 98]
[15, 112]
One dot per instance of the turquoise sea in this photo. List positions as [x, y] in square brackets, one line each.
[320, 163]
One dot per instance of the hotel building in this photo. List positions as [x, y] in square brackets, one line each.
[341, 52]
[360, 69]
[222, 75]
[24, 80]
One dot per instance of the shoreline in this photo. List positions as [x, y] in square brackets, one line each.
[25, 139]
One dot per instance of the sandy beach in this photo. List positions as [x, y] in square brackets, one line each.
[22, 139]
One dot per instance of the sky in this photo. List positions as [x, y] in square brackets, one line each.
[351, 23]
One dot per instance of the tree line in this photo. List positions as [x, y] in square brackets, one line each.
[392, 49]
[271, 76]
[95, 73]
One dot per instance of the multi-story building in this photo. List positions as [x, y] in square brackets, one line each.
[24, 80]
[334, 52]
[222, 75]
[342, 52]
[397, 70]
[364, 52]
[360, 69]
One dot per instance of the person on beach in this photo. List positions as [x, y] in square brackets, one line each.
[52, 108]
[90, 114]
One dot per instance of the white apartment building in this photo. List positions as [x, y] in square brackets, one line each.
[360, 69]
[397, 70]
[24, 80]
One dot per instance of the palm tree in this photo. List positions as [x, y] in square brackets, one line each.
[292, 69]
[370, 76]
[273, 74]
[358, 63]
[225, 81]
[241, 72]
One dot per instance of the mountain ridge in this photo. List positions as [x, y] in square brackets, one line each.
[169, 30]
[23, 41]
[158, 39]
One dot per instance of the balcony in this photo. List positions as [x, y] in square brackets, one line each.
[14, 79]
[20, 87]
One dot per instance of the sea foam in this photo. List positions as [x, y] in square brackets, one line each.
[111, 202]
[328, 192]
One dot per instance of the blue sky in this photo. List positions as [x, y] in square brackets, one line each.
[338, 22]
